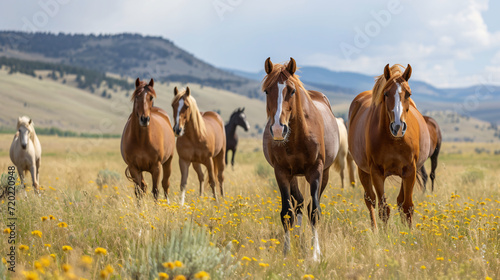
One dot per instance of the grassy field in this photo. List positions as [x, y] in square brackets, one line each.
[77, 229]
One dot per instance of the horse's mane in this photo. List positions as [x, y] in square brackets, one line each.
[143, 86]
[381, 83]
[279, 70]
[196, 117]
[25, 121]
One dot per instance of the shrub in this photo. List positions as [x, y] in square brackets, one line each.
[472, 176]
[107, 177]
[190, 245]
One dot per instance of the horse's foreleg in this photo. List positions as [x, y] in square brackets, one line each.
[232, 158]
[370, 198]
[408, 183]
[155, 174]
[165, 182]
[209, 163]
[317, 185]
[378, 180]
[298, 200]
[184, 167]
[351, 166]
[283, 179]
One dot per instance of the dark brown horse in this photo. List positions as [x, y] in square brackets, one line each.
[238, 118]
[201, 139]
[147, 141]
[388, 136]
[301, 138]
[436, 139]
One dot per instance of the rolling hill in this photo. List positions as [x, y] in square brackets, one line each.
[54, 104]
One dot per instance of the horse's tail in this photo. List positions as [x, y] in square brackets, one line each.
[128, 175]
[421, 180]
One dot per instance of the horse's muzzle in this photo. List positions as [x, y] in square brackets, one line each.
[398, 130]
[177, 130]
[279, 132]
[144, 121]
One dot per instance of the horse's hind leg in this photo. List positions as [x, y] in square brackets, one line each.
[184, 167]
[370, 198]
[33, 171]
[351, 166]
[211, 178]
[165, 182]
[219, 168]
[424, 178]
[434, 163]
[201, 177]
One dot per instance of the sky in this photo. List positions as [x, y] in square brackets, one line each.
[448, 43]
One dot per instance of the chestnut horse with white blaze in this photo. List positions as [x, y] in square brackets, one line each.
[301, 138]
[388, 136]
[201, 139]
[148, 141]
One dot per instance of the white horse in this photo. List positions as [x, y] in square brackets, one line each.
[344, 156]
[26, 151]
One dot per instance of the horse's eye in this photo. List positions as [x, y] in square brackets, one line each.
[407, 95]
[293, 92]
[265, 91]
[151, 98]
[386, 94]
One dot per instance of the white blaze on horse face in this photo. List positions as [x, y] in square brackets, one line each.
[398, 106]
[179, 108]
[23, 135]
[277, 127]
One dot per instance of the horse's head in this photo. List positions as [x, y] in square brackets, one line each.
[143, 98]
[397, 99]
[182, 111]
[25, 129]
[280, 96]
[239, 118]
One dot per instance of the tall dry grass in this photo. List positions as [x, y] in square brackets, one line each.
[455, 233]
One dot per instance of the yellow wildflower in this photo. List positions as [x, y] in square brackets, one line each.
[101, 251]
[44, 218]
[66, 248]
[180, 277]
[163, 275]
[202, 275]
[23, 248]
[178, 264]
[37, 233]
[169, 265]
[66, 267]
[62, 225]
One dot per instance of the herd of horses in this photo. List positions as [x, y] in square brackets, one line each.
[302, 139]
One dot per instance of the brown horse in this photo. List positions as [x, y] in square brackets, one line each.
[388, 136]
[201, 139]
[301, 138]
[147, 141]
[436, 139]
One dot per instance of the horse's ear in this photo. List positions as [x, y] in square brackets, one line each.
[188, 91]
[268, 65]
[151, 83]
[176, 91]
[242, 109]
[407, 73]
[137, 83]
[387, 72]
[292, 66]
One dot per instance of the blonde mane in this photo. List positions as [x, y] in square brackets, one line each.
[25, 121]
[381, 83]
[196, 117]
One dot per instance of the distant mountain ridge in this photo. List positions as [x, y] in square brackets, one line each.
[134, 55]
